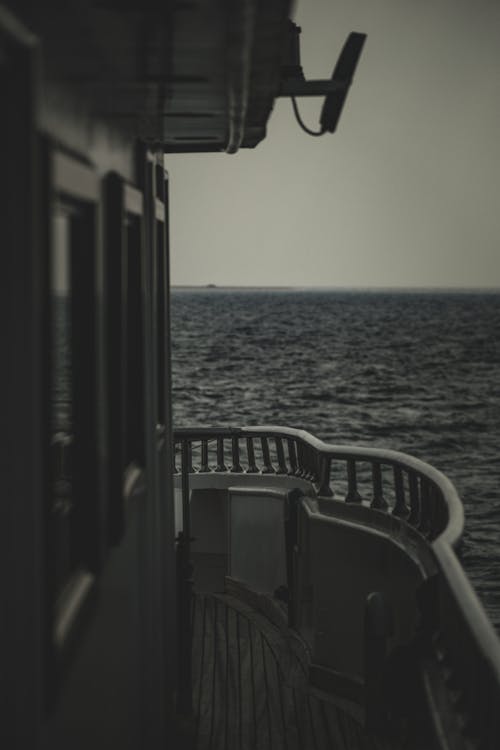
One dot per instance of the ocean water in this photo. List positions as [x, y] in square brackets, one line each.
[413, 371]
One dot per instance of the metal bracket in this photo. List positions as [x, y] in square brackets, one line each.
[298, 87]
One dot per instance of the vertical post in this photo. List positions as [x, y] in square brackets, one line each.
[174, 465]
[309, 463]
[282, 467]
[266, 457]
[190, 467]
[252, 466]
[414, 516]
[185, 585]
[424, 524]
[435, 526]
[325, 465]
[221, 467]
[400, 508]
[292, 457]
[300, 460]
[443, 513]
[353, 495]
[235, 447]
[379, 502]
[186, 515]
[204, 456]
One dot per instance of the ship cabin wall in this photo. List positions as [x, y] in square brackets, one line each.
[88, 643]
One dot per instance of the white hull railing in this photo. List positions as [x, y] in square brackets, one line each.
[392, 482]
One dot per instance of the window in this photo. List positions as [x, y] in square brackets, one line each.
[75, 430]
[134, 342]
[61, 402]
[125, 289]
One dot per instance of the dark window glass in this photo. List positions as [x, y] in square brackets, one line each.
[73, 407]
[60, 288]
[62, 402]
[134, 380]
[160, 323]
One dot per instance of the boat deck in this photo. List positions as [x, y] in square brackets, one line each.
[250, 688]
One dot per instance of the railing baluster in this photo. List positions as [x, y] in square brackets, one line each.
[204, 456]
[190, 466]
[414, 516]
[282, 467]
[304, 459]
[252, 466]
[235, 448]
[221, 467]
[292, 456]
[424, 521]
[312, 473]
[443, 512]
[400, 508]
[300, 472]
[313, 461]
[434, 514]
[379, 502]
[420, 500]
[317, 465]
[268, 468]
[353, 495]
[185, 583]
[325, 465]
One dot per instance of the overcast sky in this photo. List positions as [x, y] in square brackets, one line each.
[406, 193]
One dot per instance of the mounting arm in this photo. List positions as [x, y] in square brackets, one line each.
[334, 90]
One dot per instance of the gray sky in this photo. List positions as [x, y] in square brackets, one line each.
[406, 193]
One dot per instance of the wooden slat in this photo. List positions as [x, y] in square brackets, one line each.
[250, 689]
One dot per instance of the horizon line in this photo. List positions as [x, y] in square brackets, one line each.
[299, 287]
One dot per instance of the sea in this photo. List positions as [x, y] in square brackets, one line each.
[415, 371]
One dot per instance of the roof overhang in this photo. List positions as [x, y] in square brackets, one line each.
[198, 75]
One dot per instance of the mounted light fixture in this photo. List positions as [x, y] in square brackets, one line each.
[334, 89]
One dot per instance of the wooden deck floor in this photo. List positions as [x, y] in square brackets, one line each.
[250, 687]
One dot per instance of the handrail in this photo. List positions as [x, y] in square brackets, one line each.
[433, 506]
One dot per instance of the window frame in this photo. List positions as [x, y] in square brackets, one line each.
[124, 204]
[74, 183]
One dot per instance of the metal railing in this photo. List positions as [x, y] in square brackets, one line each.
[385, 480]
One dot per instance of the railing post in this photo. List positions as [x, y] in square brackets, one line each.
[292, 456]
[266, 457]
[379, 502]
[434, 513]
[204, 467]
[221, 467]
[311, 465]
[400, 508]
[190, 466]
[353, 495]
[325, 465]
[252, 466]
[184, 589]
[424, 522]
[235, 448]
[301, 471]
[414, 516]
[282, 467]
